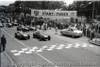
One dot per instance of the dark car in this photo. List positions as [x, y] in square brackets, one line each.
[23, 28]
[22, 36]
[41, 36]
[3, 20]
[9, 25]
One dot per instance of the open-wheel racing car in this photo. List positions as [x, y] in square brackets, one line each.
[9, 25]
[14, 24]
[22, 36]
[95, 41]
[31, 28]
[23, 28]
[41, 36]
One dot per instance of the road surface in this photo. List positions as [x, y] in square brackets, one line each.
[60, 51]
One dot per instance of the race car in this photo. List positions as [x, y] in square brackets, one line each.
[41, 36]
[23, 28]
[1, 25]
[95, 41]
[72, 31]
[14, 24]
[31, 28]
[9, 25]
[22, 36]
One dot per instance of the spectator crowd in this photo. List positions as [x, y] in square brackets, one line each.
[89, 30]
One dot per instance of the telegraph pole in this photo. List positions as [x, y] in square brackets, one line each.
[93, 9]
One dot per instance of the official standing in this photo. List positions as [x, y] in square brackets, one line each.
[3, 42]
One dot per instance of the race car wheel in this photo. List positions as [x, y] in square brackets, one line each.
[40, 38]
[34, 36]
[20, 37]
[35, 30]
[28, 36]
[49, 38]
[15, 35]
[17, 29]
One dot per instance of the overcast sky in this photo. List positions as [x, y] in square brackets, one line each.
[7, 2]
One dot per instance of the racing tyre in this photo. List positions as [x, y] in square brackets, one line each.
[17, 29]
[15, 35]
[49, 38]
[28, 36]
[34, 36]
[40, 38]
[20, 37]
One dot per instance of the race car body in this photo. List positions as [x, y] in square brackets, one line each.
[71, 31]
[95, 41]
[22, 36]
[9, 25]
[31, 28]
[41, 36]
[23, 28]
[1, 25]
[14, 24]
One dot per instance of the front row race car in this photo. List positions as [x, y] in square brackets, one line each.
[41, 36]
[95, 41]
[21, 36]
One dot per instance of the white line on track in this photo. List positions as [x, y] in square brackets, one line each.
[9, 58]
[30, 48]
[77, 45]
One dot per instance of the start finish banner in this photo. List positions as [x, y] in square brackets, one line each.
[53, 14]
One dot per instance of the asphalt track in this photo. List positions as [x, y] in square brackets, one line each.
[60, 51]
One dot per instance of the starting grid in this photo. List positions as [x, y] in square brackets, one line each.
[49, 48]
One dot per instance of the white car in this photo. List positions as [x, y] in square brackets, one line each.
[72, 31]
